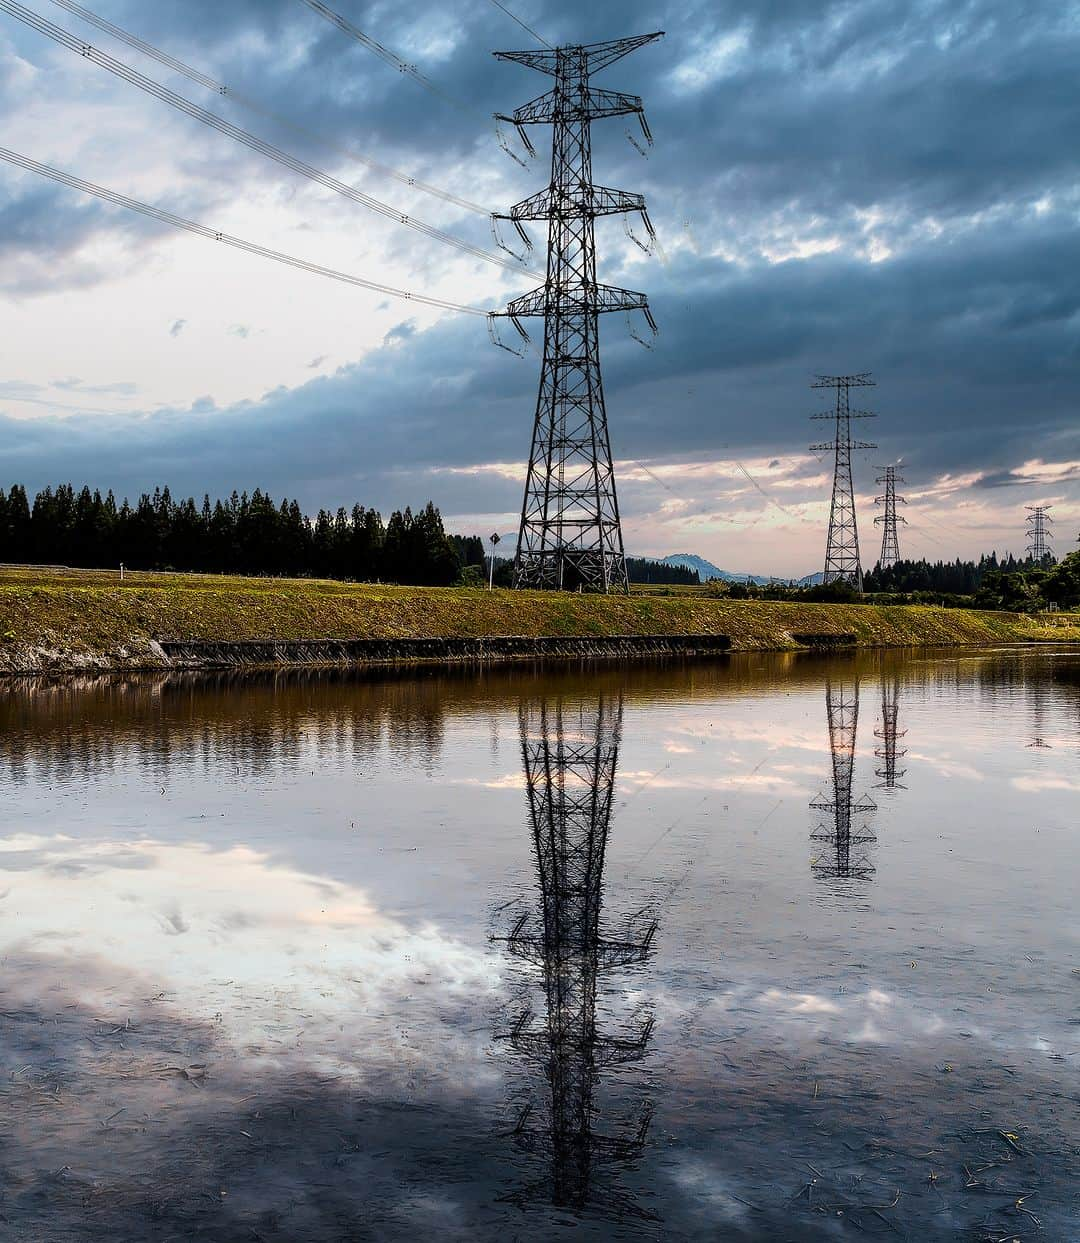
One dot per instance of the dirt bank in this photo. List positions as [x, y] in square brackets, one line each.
[54, 621]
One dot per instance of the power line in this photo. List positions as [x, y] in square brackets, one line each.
[754, 483]
[228, 92]
[384, 53]
[215, 235]
[514, 18]
[132, 76]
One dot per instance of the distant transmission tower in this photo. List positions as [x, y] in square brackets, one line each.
[570, 752]
[888, 752]
[570, 535]
[1038, 536]
[842, 551]
[842, 705]
[890, 544]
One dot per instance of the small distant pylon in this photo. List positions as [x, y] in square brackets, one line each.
[890, 543]
[1038, 536]
[888, 752]
[570, 752]
[842, 562]
[842, 705]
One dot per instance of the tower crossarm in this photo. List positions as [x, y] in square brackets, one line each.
[598, 55]
[859, 380]
[598, 298]
[851, 444]
[590, 104]
[591, 200]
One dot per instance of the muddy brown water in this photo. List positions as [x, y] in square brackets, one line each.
[752, 948]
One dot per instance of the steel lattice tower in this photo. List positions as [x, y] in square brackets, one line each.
[570, 536]
[570, 752]
[1038, 536]
[842, 562]
[888, 752]
[890, 543]
[842, 705]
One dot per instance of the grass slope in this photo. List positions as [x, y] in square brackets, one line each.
[57, 620]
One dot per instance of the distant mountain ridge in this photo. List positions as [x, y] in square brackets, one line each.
[706, 570]
[691, 561]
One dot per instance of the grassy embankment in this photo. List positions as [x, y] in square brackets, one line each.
[55, 619]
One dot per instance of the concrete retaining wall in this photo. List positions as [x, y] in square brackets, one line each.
[191, 654]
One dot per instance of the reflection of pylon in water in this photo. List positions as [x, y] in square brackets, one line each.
[888, 752]
[570, 754]
[838, 837]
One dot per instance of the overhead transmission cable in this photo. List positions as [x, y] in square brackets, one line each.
[528, 29]
[228, 92]
[227, 239]
[384, 53]
[354, 32]
[66, 39]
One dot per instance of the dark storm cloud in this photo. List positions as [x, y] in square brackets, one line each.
[944, 131]
[41, 226]
[730, 373]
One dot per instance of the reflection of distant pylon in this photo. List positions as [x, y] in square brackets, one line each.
[842, 703]
[570, 753]
[889, 733]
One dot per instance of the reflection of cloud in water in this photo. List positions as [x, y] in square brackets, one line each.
[126, 1120]
[709, 1192]
[1035, 785]
[944, 766]
[764, 780]
[777, 735]
[228, 931]
[508, 781]
[870, 1017]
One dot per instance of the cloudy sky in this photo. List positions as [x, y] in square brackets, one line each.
[837, 187]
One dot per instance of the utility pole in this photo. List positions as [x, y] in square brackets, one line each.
[570, 536]
[570, 753]
[842, 706]
[1038, 536]
[890, 544]
[842, 562]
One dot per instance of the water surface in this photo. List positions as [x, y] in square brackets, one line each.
[771, 947]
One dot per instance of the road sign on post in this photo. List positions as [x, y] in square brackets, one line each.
[491, 570]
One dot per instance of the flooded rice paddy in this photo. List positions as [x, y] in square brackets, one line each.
[761, 948]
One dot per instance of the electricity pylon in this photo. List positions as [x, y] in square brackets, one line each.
[888, 752]
[842, 562]
[1038, 536]
[842, 705]
[570, 535]
[570, 753]
[890, 544]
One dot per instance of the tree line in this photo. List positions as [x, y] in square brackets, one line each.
[956, 577]
[253, 535]
[242, 535]
[992, 582]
